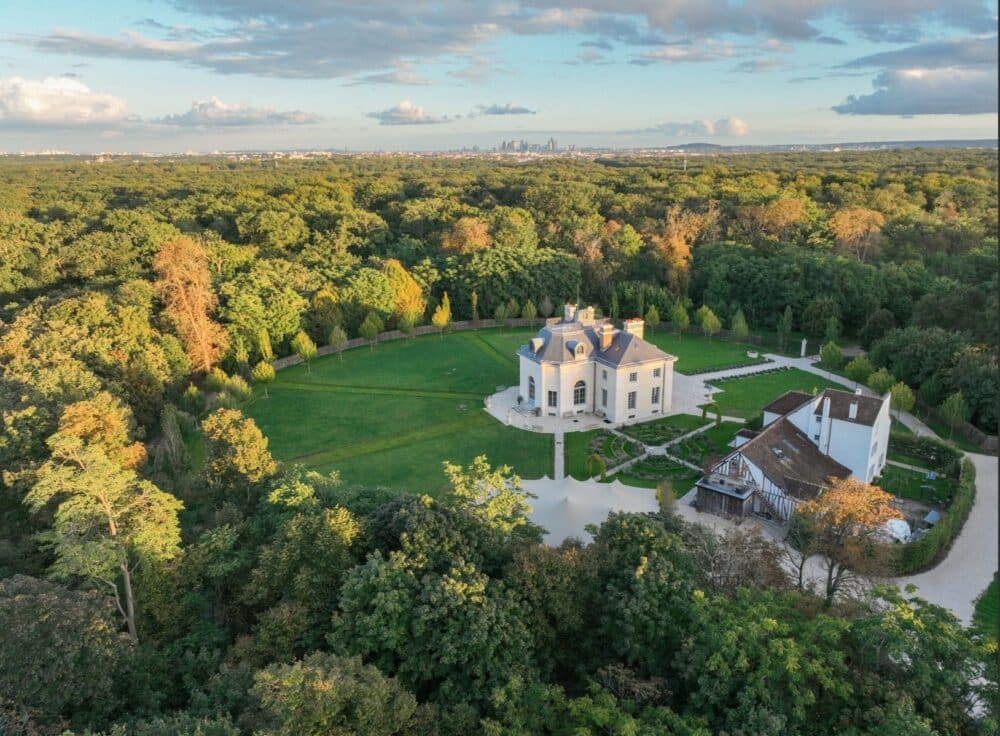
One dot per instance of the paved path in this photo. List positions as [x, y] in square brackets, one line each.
[968, 569]
[907, 466]
[560, 454]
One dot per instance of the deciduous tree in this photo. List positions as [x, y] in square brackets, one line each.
[493, 495]
[857, 231]
[264, 373]
[739, 326]
[184, 284]
[709, 323]
[107, 521]
[679, 318]
[442, 314]
[337, 339]
[902, 399]
[955, 411]
[843, 523]
[303, 346]
[858, 369]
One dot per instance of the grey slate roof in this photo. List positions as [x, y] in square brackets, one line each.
[800, 468]
[562, 337]
[788, 401]
[840, 402]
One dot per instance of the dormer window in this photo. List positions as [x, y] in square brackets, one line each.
[579, 351]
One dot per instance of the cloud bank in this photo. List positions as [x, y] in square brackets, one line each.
[508, 108]
[57, 102]
[213, 112]
[406, 113]
[952, 77]
[726, 127]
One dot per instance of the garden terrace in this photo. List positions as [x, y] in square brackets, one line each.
[667, 429]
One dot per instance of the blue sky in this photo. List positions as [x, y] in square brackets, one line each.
[176, 75]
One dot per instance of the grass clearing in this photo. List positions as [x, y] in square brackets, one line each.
[909, 484]
[696, 354]
[390, 416]
[745, 396]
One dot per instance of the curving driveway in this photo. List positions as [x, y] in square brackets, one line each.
[954, 583]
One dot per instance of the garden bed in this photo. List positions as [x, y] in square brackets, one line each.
[661, 431]
[710, 443]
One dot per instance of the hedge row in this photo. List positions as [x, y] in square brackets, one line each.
[934, 453]
[930, 548]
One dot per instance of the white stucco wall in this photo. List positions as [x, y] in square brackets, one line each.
[643, 388]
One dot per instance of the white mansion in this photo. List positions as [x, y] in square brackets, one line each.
[582, 365]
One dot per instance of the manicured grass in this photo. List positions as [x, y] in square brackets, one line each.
[660, 431]
[986, 615]
[576, 449]
[391, 416]
[898, 426]
[696, 354]
[744, 397]
[909, 484]
[417, 467]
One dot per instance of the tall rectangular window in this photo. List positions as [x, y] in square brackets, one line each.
[604, 397]
[656, 372]
[656, 394]
[604, 374]
[552, 399]
[633, 377]
[631, 399]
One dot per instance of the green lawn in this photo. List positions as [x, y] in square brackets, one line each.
[986, 616]
[909, 484]
[391, 416]
[576, 450]
[660, 431]
[744, 397]
[696, 354]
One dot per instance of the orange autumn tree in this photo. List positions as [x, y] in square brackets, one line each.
[467, 235]
[857, 231]
[841, 526]
[184, 283]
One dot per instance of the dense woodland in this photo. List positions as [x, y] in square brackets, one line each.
[147, 591]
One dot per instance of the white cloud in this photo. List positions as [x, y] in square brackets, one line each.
[951, 77]
[726, 127]
[57, 101]
[213, 112]
[906, 92]
[406, 113]
[509, 108]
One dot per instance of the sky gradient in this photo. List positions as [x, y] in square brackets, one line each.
[203, 75]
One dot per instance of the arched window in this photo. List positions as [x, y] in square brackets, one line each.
[580, 393]
[531, 388]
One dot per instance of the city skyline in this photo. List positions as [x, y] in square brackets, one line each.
[202, 75]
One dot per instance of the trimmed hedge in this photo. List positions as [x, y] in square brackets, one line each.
[935, 454]
[929, 549]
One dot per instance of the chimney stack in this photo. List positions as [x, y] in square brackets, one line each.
[606, 332]
[634, 326]
[569, 313]
[852, 410]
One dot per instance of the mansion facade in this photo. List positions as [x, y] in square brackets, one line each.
[583, 365]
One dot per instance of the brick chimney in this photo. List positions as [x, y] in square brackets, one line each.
[569, 312]
[634, 326]
[606, 332]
